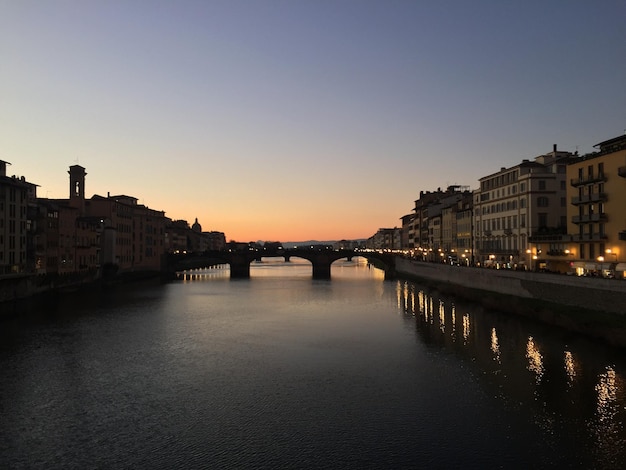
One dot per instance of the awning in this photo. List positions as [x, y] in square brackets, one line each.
[590, 266]
[620, 267]
[578, 264]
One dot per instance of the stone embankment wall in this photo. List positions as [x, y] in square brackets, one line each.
[16, 287]
[607, 295]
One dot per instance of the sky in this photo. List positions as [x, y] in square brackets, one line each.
[297, 120]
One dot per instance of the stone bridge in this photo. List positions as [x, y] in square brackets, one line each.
[239, 260]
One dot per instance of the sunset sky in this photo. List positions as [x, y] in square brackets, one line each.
[295, 120]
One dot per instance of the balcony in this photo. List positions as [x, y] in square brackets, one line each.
[589, 237]
[583, 219]
[595, 197]
[508, 232]
[556, 253]
[555, 236]
[588, 180]
[580, 200]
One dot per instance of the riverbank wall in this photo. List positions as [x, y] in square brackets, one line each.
[23, 286]
[591, 306]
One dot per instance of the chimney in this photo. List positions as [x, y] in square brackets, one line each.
[554, 148]
[3, 167]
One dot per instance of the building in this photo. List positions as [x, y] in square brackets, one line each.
[596, 214]
[437, 220]
[385, 239]
[17, 199]
[215, 240]
[463, 245]
[136, 233]
[518, 204]
[78, 235]
[407, 236]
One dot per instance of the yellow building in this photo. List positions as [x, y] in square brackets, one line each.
[597, 211]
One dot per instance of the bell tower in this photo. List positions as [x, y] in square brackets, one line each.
[77, 187]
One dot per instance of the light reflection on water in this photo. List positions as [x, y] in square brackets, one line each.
[561, 400]
[282, 371]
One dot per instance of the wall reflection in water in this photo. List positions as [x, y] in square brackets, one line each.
[571, 387]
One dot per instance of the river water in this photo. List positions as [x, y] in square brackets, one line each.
[283, 371]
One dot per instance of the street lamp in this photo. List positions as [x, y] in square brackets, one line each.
[608, 251]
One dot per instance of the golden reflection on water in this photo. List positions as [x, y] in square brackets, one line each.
[217, 271]
[453, 322]
[535, 360]
[605, 421]
[399, 290]
[607, 427]
[570, 368]
[442, 317]
[495, 346]
[607, 394]
[431, 311]
[466, 328]
[421, 299]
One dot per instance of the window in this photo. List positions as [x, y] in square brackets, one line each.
[581, 249]
[542, 185]
[563, 186]
[542, 201]
[522, 203]
[543, 219]
[563, 202]
[600, 169]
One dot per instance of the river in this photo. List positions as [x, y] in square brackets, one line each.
[283, 371]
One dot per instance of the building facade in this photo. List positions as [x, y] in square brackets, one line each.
[517, 205]
[17, 200]
[596, 214]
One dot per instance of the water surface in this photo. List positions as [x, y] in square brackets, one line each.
[283, 371]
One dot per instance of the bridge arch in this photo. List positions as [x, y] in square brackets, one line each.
[239, 261]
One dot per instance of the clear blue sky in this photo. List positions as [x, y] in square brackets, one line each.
[300, 119]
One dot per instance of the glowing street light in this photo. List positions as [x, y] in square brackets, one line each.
[608, 251]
